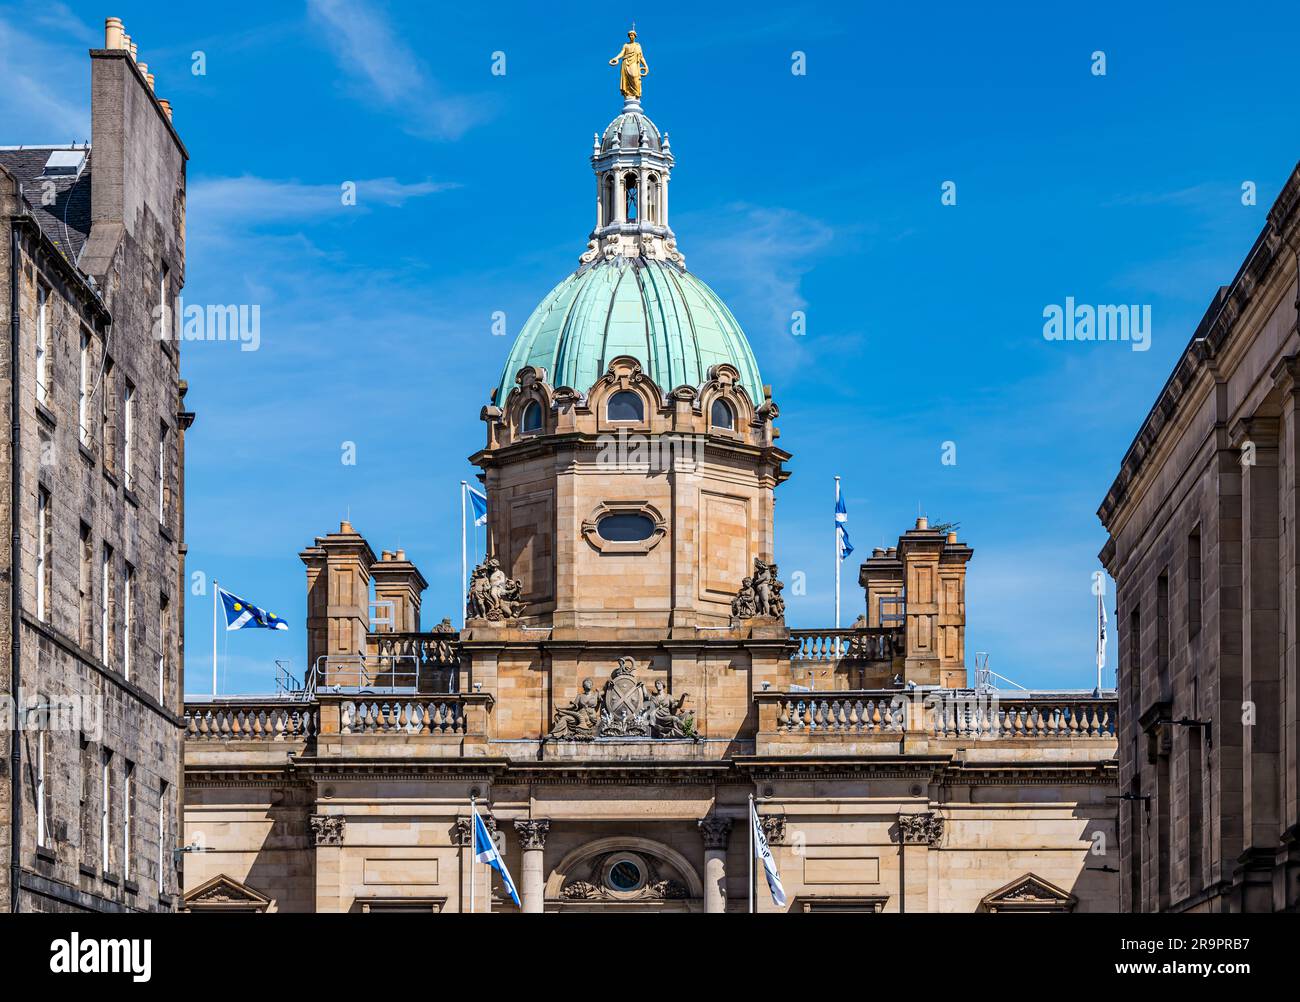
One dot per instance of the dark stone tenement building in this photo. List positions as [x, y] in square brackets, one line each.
[1203, 546]
[92, 550]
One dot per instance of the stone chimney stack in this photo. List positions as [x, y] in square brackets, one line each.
[951, 622]
[139, 160]
[881, 576]
[338, 594]
[397, 580]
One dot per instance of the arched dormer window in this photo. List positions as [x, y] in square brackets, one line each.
[532, 418]
[625, 406]
[721, 415]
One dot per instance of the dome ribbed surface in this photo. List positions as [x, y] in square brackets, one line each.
[658, 313]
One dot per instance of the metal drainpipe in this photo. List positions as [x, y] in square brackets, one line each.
[15, 589]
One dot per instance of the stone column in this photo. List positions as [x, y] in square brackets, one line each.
[716, 832]
[532, 878]
[327, 833]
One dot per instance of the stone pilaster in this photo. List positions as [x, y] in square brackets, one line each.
[532, 882]
[716, 832]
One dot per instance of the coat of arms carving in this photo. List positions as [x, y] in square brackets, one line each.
[624, 708]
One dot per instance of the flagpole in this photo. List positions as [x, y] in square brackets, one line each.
[473, 823]
[464, 564]
[837, 554]
[751, 854]
[216, 590]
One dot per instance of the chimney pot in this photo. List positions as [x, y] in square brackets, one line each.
[113, 33]
[166, 107]
[952, 537]
[345, 526]
[922, 522]
[401, 554]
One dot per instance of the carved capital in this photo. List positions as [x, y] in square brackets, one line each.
[327, 828]
[920, 829]
[462, 830]
[716, 831]
[773, 828]
[532, 833]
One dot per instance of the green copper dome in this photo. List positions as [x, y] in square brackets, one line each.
[659, 313]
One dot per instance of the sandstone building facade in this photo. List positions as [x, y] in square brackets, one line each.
[1203, 522]
[92, 506]
[625, 680]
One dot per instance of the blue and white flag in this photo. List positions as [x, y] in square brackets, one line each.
[764, 855]
[241, 615]
[478, 501]
[485, 851]
[841, 526]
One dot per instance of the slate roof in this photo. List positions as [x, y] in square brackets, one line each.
[66, 221]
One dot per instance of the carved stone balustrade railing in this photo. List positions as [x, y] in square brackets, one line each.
[837, 712]
[985, 715]
[829, 646]
[254, 720]
[402, 716]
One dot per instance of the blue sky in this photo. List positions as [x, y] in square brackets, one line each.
[818, 193]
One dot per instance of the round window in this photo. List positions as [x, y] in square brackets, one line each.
[625, 528]
[625, 874]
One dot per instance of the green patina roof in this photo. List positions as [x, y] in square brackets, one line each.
[660, 314]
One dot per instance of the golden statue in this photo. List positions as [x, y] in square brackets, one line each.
[634, 67]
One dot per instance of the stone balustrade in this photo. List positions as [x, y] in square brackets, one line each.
[445, 715]
[829, 646]
[937, 714]
[254, 720]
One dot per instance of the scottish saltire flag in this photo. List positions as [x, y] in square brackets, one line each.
[764, 855]
[478, 500]
[1101, 634]
[841, 520]
[485, 851]
[241, 615]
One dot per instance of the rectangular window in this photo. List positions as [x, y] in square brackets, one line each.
[107, 415]
[42, 344]
[105, 605]
[87, 814]
[42, 793]
[164, 307]
[164, 642]
[86, 589]
[128, 816]
[44, 554]
[105, 809]
[164, 486]
[128, 432]
[128, 619]
[162, 836]
[83, 390]
[1194, 584]
[1162, 635]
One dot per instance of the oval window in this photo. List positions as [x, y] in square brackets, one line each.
[625, 528]
[625, 406]
[532, 419]
[626, 875]
[721, 416]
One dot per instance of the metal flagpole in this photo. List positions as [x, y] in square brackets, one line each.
[751, 854]
[473, 837]
[837, 553]
[464, 565]
[216, 590]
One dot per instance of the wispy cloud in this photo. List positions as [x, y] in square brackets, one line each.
[369, 49]
[252, 200]
[43, 86]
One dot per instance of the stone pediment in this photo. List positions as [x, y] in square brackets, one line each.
[1030, 893]
[223, 892]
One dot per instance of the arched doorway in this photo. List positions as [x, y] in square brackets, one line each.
[624, 874]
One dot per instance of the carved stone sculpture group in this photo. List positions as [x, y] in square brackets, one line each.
[624, 708]
[492, 595]
[760, 594]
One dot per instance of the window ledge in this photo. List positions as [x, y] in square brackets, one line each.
[46, 415]
[130, 886]
[45, 853]
[86, 452]
[87, 870]
[132, 498]
[112, 879]
[165, 532]
[110, 476]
